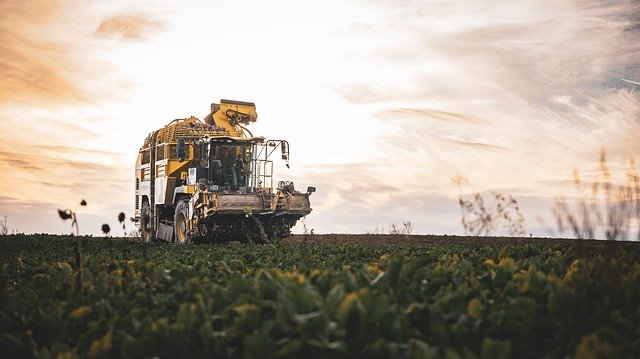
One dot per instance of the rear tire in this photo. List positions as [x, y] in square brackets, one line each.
[145, 223]
[180, 221]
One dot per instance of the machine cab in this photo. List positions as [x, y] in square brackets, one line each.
[219, 164]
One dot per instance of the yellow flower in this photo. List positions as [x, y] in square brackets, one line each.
[80, 312]
[475, 308]
[245, 308]
[572, 270]
[102, 345]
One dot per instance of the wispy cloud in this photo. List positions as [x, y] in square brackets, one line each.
[31, 65]
[23, 206]
[132, 27]
[428, 114]
[48, 53]
[59, 132]
[496, 71]
[472, 144]
[525, 49]
[355, 198]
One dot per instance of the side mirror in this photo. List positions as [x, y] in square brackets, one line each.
[181, 149]
[284, 146]
[310, 190]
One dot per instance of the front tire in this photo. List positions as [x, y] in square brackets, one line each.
[180, 223]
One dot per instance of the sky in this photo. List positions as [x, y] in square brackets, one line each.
[383, 102]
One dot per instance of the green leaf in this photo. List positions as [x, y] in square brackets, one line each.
[290, 348]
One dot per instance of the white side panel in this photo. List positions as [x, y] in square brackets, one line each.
[161, 188]
[144, 188]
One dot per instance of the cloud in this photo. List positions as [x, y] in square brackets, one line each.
[72, 128]
[50, 57]
[51, 174]
[20, 163]
[25, 206]
[63, 150]
[131, 27]
[510, 95]
[428, 114]
[366, 93]
[473, 145]
[30, 65]
[61, 134]
[523, 49]
[453, 79]
[362, 203]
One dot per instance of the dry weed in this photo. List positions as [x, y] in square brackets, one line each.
[501, 216]
[611, 209]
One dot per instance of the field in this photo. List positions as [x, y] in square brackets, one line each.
[320, 296]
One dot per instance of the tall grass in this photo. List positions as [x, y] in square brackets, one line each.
[403, 227]
[6, 250]
[611, 208]
[4, 229]
[500, 214]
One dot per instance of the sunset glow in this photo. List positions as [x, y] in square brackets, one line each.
[383, 102]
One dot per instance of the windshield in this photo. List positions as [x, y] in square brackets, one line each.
[230, 165]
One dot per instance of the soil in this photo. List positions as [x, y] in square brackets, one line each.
[381, 239]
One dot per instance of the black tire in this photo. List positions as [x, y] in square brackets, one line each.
[181, 234]
[145, 223]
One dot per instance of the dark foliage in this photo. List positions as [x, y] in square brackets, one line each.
[343, 301]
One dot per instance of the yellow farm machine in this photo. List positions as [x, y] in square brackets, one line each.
[212, 180]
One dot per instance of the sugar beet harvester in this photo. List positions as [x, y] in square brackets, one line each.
[212, 180]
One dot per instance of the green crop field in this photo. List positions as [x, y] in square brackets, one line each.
[462, 298]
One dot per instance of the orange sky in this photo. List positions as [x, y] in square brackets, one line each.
[383, 102]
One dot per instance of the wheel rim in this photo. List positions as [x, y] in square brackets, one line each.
[182, 228]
